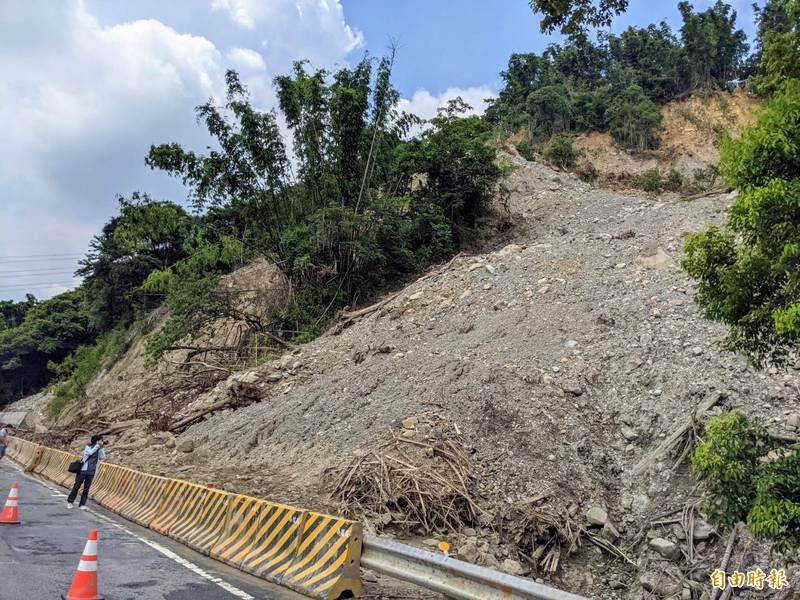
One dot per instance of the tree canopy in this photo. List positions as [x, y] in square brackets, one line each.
[616, 82]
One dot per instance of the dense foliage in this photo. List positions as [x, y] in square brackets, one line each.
[749, 273]
[745, 482]
[574, 16]
[47, 332]
[349, 222]
[616, 83]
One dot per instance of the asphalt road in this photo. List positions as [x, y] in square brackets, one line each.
[38, 557]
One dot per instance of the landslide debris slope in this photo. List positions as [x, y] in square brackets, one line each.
[563, 359]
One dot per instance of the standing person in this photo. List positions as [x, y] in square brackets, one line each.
[3, 440]
[92, 454]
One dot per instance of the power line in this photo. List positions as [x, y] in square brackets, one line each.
[41, 271]
[18, 274]
[41, 255]
[36, 286]
[13, 261]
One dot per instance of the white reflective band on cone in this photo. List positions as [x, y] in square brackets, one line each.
[91, 548]
[87, 565]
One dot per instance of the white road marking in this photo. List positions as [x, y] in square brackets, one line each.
[231, 589]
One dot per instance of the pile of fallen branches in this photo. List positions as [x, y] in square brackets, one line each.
[542, 537]
[175, 392]
[423, 486]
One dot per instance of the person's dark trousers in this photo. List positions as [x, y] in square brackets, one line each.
[86, 480]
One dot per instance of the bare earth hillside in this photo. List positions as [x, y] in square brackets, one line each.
[564, 362]
[690, 132]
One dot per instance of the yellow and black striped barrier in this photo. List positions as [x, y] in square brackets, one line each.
[175, 502]
[241, 527]
[277, 535]
[203, 524]
[148, 500]
[315, 554]
[327, 561]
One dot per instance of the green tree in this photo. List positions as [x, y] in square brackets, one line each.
[49, 332]
[572, 17]
[778, 51]
[634, 119]
[349, 222]
[549, 110]
[748, 479]
[13, 313]
[714, 48]
[748, 274]
[145, 236]
[460, 167]
[653, 59]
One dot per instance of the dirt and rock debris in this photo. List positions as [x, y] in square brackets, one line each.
[544, 394]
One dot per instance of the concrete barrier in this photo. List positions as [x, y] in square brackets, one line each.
[145, 506]
[241, 527]
[328, 557]
[202, 525]
[175, 502]
[276, 539]
[124, 490]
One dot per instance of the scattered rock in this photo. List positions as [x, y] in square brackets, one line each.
[629, 433]
[665, 548]
[610, 532]
[659, 583]
[702, 531]
[369, 576]
[469, 551]
[410, 422]
[513, 567]
[431, 542]
[186, 446]
[597, 516]
[793, 420]
[654, 258]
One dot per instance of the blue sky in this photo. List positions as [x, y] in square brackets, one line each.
[88, 85]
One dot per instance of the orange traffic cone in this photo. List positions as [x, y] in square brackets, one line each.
[10, 513]
[84, 584]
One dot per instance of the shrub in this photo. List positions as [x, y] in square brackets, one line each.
[650, 181]
[78, 369]
[727, 461]
[526, 149]
[559, 152]
[634, 119]
[674, 181]
[704, 179]
[744, 485]
[587, 172]
[776, 510]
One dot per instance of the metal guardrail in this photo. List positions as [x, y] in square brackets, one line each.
[451, 577]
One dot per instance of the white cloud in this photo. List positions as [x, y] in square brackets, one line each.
[318, 26]
[81, 102]
[424, 104]
[245, 60]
